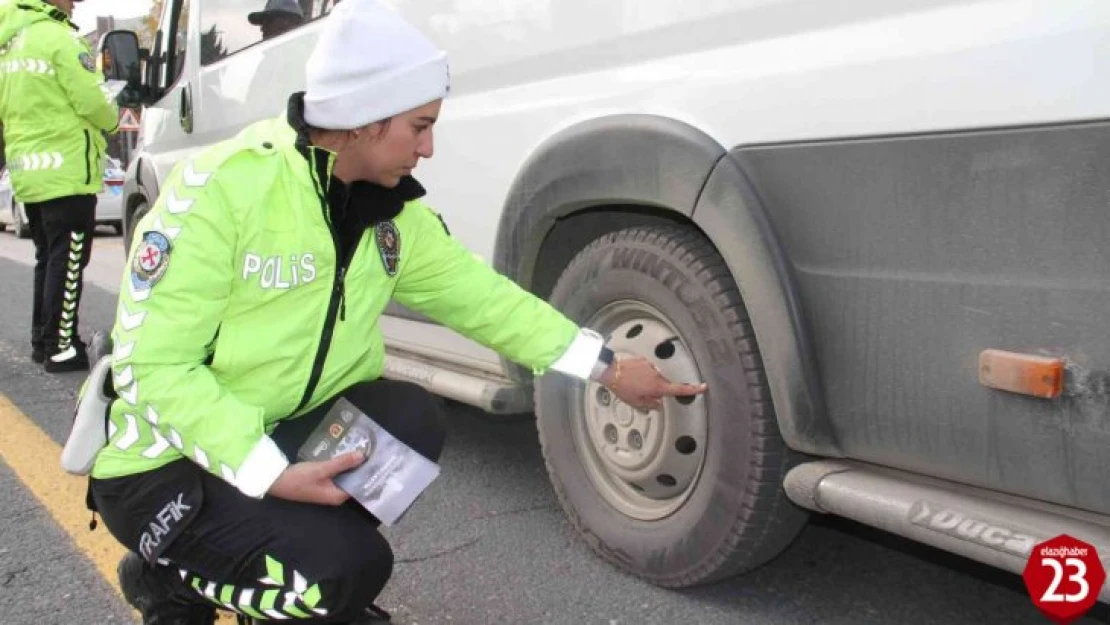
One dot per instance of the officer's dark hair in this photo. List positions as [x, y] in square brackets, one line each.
[384, 122]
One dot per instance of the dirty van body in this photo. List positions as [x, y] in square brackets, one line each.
[876, 231]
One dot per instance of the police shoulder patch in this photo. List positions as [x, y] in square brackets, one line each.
[389, 245]
[151, 260]
[87, 61]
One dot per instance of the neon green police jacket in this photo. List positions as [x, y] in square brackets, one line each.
[239, 308]
[52, 104]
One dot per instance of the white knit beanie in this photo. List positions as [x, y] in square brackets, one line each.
[370, 64]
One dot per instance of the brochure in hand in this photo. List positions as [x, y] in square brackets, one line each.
[392, 477]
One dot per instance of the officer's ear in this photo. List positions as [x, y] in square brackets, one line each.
[334, 140]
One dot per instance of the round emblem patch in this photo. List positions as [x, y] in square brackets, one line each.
[151, 260]
[87, 61]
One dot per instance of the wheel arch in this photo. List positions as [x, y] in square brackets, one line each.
[635, 164]
[141, 186]
[732, 216]
[622, 171]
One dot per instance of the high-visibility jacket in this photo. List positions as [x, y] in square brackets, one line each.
[53, 105]
[249, 299]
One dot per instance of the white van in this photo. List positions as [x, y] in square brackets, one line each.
[876, 229]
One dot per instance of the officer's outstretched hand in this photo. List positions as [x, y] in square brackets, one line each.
[638, 382]
[311, 482]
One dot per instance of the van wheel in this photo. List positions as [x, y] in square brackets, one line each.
[20, 226]
[693, 493]
[141, 209]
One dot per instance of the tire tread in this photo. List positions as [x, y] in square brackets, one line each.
[769, 521]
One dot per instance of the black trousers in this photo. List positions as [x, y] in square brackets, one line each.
[62, 230]
[271, 558]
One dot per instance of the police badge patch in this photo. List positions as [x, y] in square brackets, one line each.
[151, 260]
[87, 61]
[389, 246]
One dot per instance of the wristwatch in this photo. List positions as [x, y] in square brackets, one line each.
[604, 359]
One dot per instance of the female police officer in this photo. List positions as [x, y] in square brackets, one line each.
[251, 304]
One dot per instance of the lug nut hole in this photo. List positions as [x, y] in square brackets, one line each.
[686, 445]
[664, 350]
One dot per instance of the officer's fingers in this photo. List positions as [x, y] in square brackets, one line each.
[343, 462]
[331, 495]
[646, 403]
[681, 390]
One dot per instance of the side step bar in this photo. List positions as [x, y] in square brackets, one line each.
[498, 396]
[995, 529]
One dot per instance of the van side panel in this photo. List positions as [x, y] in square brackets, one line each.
[913, 254]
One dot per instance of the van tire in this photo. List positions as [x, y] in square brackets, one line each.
[141, 209]
[735, 516]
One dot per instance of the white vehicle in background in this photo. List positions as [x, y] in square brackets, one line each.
[109, 201]
[876, 229]
[11, 210]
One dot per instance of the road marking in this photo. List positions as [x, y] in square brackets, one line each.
[35, 459]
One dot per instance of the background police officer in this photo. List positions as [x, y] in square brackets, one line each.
[277, 18]
[54, 112]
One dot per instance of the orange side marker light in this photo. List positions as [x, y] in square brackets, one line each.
[1026, 374]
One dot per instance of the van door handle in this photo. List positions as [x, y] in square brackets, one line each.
[185, 111]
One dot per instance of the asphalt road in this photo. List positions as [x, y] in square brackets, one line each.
[488, 544]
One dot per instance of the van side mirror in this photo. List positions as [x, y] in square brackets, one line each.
[120, 57]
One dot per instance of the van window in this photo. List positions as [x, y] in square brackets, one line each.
[228, 26]
[170, 46]
[320, 8]
[181, 39]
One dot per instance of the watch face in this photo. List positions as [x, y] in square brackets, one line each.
[606, 356]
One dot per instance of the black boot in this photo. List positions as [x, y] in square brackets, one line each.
[158, 595]
[73, 358]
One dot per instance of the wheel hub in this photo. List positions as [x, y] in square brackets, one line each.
[645, 463]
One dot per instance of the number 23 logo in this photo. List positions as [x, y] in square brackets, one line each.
[1051, 594]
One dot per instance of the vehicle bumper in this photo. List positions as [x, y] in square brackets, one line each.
[109, 205]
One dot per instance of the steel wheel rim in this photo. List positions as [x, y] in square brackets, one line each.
[644, 465]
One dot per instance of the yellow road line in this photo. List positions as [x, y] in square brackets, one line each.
[35, 457]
